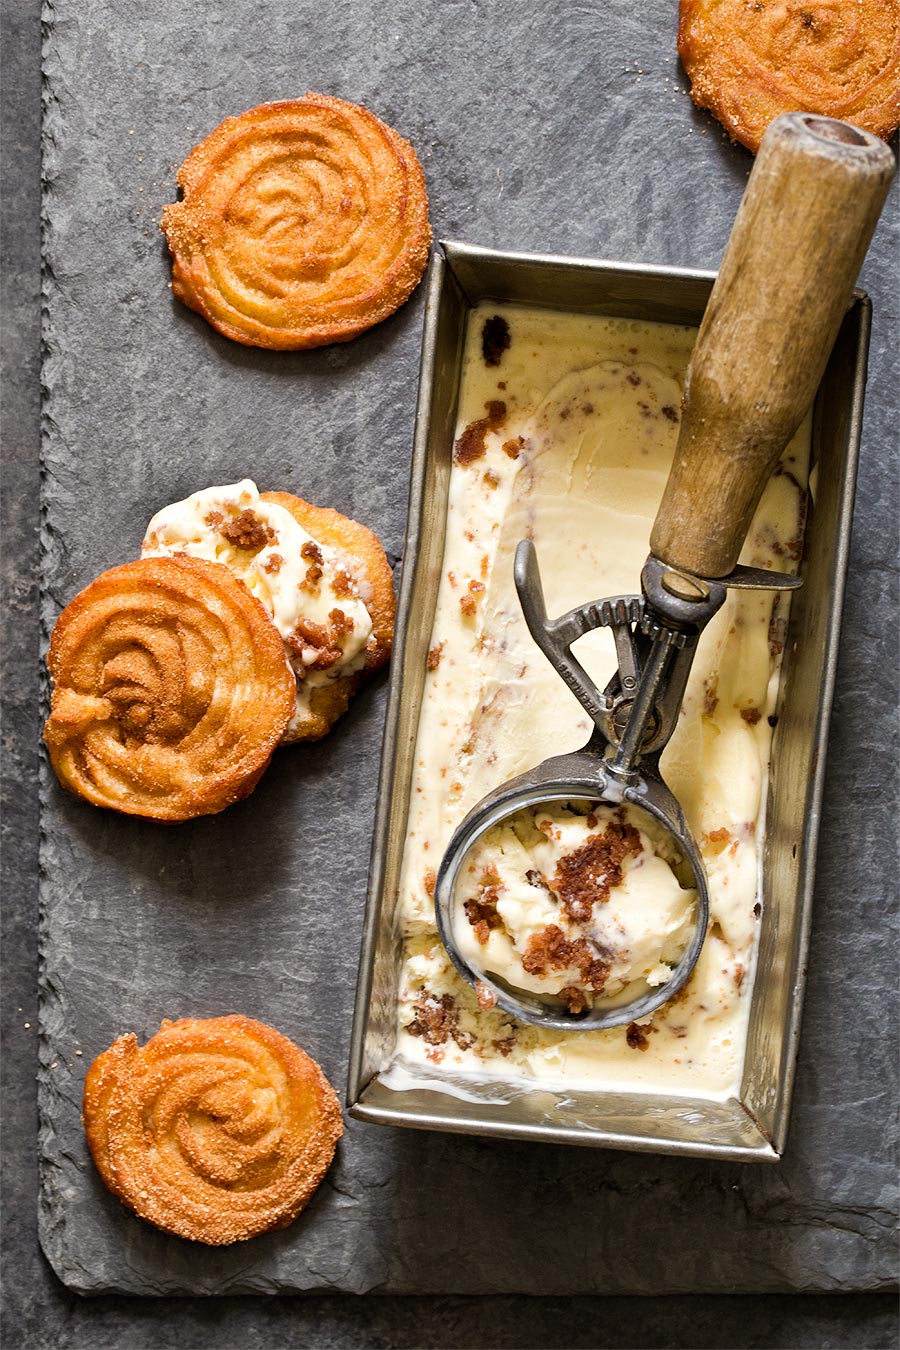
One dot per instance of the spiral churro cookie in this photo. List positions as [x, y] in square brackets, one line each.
[303, 222]
[215, 1130]
[324, 580]
[171, 690]
[749, 62]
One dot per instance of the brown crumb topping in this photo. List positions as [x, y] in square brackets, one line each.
[313, 555]
[486, 997]
[308, 636]
[536, 878]
[468, 602]
[638, 1036]
[710, 695]
[428, 881]
[340, 622]
[311, 634]
[586, 876]
[247, 531]
[326, 659]
[550, 949]
[751, 716]
[436, 1020]
[777, 632]
[495, 339]
[482, 910]
[791, 548]
[433, 659]
[504, 1046]
[470, 445]
[344, 584]
[514, 447]
[574, 998]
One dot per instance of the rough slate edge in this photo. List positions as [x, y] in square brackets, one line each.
[772, 1241]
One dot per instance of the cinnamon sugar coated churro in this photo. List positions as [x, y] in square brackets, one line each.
[171, 690]
[215, 1130]
[751, 60]
[304, 222]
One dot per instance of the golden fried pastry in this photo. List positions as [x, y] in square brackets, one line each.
[366, 576]
[215, 1130]
[171, 690]
[750, 60]
[303, 222]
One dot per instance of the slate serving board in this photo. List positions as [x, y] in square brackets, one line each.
[563, 131]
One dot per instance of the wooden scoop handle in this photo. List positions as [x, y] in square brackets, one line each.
[785, 283]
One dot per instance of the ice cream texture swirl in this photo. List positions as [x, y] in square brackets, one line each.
[566, 428]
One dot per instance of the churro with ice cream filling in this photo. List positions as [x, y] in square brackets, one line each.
[308, 587]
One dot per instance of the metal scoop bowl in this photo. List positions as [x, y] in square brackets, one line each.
[798, 241]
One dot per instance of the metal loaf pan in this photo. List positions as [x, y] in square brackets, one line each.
[753, 1126]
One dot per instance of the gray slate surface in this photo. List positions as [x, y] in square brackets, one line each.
[574, 137]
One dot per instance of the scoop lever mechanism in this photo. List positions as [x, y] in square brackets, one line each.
[656, 637]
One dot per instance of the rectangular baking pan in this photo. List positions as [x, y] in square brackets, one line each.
[751, 1127]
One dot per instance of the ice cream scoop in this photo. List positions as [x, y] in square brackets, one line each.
[576, 899]
[801, 233]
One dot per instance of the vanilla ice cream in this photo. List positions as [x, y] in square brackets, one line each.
[566, 430]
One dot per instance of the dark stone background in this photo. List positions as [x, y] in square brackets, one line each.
[838, 1069]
